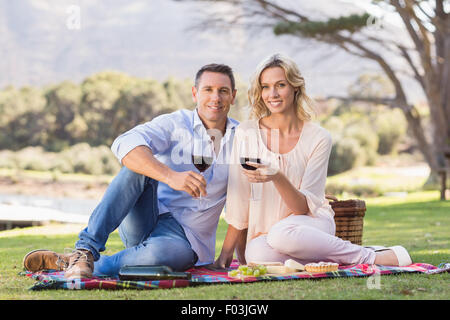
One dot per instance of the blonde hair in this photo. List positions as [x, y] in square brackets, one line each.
[304, 104]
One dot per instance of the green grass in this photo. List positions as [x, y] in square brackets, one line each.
[419, 222]
[380, 179]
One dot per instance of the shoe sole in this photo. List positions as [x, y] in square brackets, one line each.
[78, 276]
[377, 248]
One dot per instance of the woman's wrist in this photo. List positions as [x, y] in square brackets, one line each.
[278, 177]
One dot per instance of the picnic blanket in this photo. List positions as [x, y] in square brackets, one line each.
[202, 275]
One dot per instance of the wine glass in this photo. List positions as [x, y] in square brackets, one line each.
[248, 151]
[202, 157]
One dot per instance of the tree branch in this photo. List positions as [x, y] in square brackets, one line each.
[412, 116]
[422, 44]
[400, 94]
[267, 4]
[390, 102]
[417, 74]
[419, 5]
[429, 76]
[423, 30]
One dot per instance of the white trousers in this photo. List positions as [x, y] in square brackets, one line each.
[306, 239]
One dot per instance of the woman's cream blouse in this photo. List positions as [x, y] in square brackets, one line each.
[305, 166]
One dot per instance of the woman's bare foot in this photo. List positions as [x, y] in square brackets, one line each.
[386, 258]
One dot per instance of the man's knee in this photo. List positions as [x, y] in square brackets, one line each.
[130, 238]
[127, 175]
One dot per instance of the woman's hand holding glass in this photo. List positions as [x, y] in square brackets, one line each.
[263, 173]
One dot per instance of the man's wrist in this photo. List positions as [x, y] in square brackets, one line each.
[168, 176]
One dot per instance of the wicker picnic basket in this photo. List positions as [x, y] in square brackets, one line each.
[348, 216]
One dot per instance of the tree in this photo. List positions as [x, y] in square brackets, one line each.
[422, 54]
[139, 102]
[179, 93]
[99, 95]
[22, 118]
[62, 106]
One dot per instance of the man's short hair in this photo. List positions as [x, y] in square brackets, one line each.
[215, 67]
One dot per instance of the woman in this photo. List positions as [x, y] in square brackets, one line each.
[291, 219]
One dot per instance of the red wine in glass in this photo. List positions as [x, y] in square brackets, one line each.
[243, 161]
[201, 163]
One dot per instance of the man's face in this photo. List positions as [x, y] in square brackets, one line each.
[214, 97]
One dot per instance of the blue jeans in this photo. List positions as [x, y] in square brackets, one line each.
[130, 204]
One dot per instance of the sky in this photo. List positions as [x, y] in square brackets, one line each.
[43, 42]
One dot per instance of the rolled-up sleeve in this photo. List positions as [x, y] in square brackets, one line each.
[154, 134]
[238, 190]
[315, 176]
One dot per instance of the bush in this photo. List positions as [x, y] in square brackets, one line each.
[80, 158]
[347, 191]
[355, 141]
[91, 160]
[32, 158]
[107, 160]
[390, 126]
[8, 159]
[344, 155]
[367, 139]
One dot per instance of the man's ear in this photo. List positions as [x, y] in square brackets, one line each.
[194, 94]
[234, 96]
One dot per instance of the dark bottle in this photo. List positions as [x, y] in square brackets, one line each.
[151, 272]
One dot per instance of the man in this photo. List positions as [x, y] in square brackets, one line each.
[154, 198]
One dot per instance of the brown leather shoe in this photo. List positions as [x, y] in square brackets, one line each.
[38, 260]
[81, 264]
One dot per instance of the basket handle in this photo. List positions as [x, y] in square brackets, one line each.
[331, 197]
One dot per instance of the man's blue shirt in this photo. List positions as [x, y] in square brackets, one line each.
[171, 138]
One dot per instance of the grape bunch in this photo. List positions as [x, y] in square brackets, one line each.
[244, 270]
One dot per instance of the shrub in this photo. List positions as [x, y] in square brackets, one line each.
[355, 142]
[8, 159]
[346, 191]
[106, 159]
[390, 127]
[344, 155]
[32, 158]
[367, 139]
[80, 158]
[91, 160]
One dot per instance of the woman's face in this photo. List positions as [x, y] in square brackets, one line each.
[277, 93]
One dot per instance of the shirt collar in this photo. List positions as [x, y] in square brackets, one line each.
[197, 121]
[231, 123]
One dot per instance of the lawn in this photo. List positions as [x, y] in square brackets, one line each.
[418, 221]
[378, 180]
